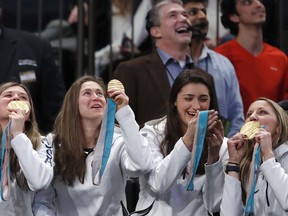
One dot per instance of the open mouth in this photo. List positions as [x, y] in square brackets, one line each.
[182, 30]
[192, 114]
[96, 106]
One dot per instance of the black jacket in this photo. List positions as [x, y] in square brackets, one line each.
[28, 59]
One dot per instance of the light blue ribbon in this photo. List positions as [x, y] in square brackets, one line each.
[202, 127]
[5, 151]
[104, 142]
[109, 134]
[249, 208]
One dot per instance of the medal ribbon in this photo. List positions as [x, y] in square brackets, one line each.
[5, 174]
[104, 142]
[254, 168]
[197, 146]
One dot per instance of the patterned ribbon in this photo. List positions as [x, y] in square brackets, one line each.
[104, 143]
[254, 168]
[5, 174]
[197, 146]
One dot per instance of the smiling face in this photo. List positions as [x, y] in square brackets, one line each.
[250, 12]
[261, 111]
[92, 101]
[191, 98]
[10, 94]
[173, 26]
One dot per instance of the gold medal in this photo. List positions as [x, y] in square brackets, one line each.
[14, 105]
[116, 84]
[249, 129]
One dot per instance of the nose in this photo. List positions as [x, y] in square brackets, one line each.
[253, 117]
[183, 18]
[95, 96]
[195, 105]
[16, 97]
[201, 14]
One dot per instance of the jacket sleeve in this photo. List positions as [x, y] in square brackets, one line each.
[137, 157]
[37, 166]
[231, 200]
[214, 181]
[166, 170]
[277, 179]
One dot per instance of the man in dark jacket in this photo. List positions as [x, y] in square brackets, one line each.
[28, 59]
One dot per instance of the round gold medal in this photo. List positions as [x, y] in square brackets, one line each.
[14, 105]
[115, 84]
[250, 128]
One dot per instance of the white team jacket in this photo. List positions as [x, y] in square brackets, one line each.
[37, 167]
[129, 159]
[166, 184]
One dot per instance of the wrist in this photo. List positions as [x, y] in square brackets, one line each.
[212, 159]
[268, 156]
[232, 167]
[188, 145]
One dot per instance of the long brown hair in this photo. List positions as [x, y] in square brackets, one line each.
[282, 137]
[69, 136]
[31, 131]
[173, 126]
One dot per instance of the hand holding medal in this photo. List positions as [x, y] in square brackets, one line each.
[116, 91]
[249, 129]
[21, 105]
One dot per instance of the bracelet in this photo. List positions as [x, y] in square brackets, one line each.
[234, 168]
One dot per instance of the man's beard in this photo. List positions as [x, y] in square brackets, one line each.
[200, 30]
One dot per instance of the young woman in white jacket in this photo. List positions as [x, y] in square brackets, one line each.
[271, 191]
[73, 191]
[171, 140]
[30, 155]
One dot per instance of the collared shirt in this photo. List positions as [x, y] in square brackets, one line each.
[173, 67]
[227, 87]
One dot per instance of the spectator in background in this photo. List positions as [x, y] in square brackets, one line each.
[28, 59]
[123, 14]
[148, 79]
[261, 68]
[225, 79]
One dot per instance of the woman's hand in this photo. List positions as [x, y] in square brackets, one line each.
[264, 138]
[17, 118]
[119, 97]
[214, 139]
[188, 137]
[235, 148]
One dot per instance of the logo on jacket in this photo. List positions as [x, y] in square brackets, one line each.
[22, 62]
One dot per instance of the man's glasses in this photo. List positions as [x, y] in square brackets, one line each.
[248, 2]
